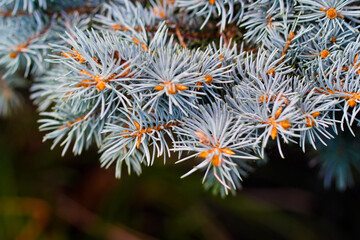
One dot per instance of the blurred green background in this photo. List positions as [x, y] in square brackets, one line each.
[46, 196]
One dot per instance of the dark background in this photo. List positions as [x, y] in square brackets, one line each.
[46, 196]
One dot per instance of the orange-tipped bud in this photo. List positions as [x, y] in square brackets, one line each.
[216, 160]
[221, 57]
[285, 124]
[172, 89]
[62, 127]
[116, 26]
[331, 13]
[100, 85]
[181, 87]
[274, 132]
[262, 98]
[159, 88]
[13, 54]
[138, 142]
[125, 73]
[135, 41]
[203, 154]
[352, 102]
[310, 122]
[324, 53]
[227, 151]
[278, 112]
[291, 36]
[137, 125]
[271, 71]
[208, 79]
[356, 58]
[119, 27]
[144, 47]
[315, 114]
[67, 55]
[212, 2]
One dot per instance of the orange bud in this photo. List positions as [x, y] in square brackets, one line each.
[262, 98]
[138, 142]
[315, 114]
[274, 132]
[227, 151]
[208, 79]
[278, 112]
[159, 88]
[285, 124]
[13, 55]
[137, 125]
[172, 89]
[352, 102]
[135, 41]
[324, 53]
[181, 87]
[271, 71]
[356, 58]
[331, 13]
[144, 47]
[203, 154]
[212, 2]
[310, 122]
[67, 55]
[292, 35]
[126, 72]
[216, 160]
[100, 85]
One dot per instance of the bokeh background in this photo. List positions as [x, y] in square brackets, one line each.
[46, 196]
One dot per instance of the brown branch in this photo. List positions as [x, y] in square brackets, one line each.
[10, 13]
[179, 36]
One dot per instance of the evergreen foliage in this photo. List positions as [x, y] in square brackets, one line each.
[214, 81]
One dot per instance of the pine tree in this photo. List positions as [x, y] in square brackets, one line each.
[214, 82]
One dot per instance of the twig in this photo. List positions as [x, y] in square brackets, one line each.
[179, 36]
